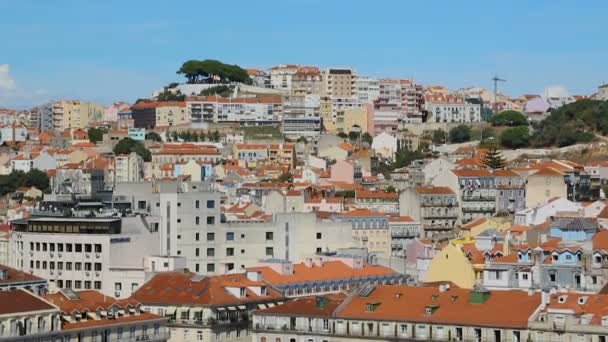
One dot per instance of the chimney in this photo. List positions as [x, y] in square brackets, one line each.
[318, 261]
[308, 262]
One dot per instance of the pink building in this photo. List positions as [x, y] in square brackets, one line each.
[345, 171]
[112, 110]
[328, 204]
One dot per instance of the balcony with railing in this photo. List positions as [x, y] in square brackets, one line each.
[479, 209]
[478, 198]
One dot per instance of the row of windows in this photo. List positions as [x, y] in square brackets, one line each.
[230, 251]
[78, 284]
[197, 204]
[68, 265]
[67, 247]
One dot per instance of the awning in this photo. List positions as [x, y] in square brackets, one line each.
[67, 318]
[270, 305]
[170, 310]
[242, 307]
[261, 306]
[93, 315]
[231, 308]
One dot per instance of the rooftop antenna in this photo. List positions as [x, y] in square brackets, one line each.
[496, 79]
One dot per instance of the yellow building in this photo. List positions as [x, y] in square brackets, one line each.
[354, 117]
[543, 185]
[171, 114]
[473, 228]
[75, 114]
[458, 263]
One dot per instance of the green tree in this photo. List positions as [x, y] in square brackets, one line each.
[168, 95]
[390, 188]
[95, 134]
[352, 135]
[366, 137]
[213, 71]
[215, 136]
[128, 145]
[515, 137]
[153, 136]
[36, 178]
[494, 159]
[342, 135]
[509, 118]
[438, 137]
[285, 178]
[460, 134]
[404, 157]
[202, 136]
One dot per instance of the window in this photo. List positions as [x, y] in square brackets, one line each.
[44, 248]
[196, 237]
[319, 250]
[229, 251]
[210, 252]
[269, 236]
[117, 286]
[87, 284]
[68, 247]
[197, 220]
[44, 265]
[196, 252]
[210, 236]
[87, 266]
[97, 248]
[319, 236]
[524, 276]
[88, 248]
[210, 220]
[197, 268]
[269, 251]
[210, 267]
[68, 266]
[68, 284]
[78, 266]
[78, 248]
[197, 204]
[230, 236]
[552, 277]
[51, 247]
[78, 284]
[229, 266]
[134, 287]
[97, 266]
[51, 265]
[210, 204]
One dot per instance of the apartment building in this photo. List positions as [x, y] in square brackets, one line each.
[397, 312]
[281, 77]
[368, 89]
[447, 108]
[307, 80]
[511, 188]
[380, 201]
[301, 116]
[75, 114]
[247, 111]
[477, 194]
[435, 207]
[406, 95]
[207, 308]
[340, 83]
[151, 114]
[104, 254]
[128, 168]
[92, 316]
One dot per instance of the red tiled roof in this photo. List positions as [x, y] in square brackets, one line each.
[474, 223]
[153, 104]
[307, 306]
[21, 301]
[376, 194]
[472, 173]
[504, 309]
[505, 173]
[328, 271]
[179, 288]
[16, 276]
[547, 171]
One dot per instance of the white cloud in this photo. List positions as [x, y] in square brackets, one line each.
[6, 82]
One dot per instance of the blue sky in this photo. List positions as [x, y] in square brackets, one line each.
[121, 50]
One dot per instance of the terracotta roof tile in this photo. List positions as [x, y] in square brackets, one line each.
[17, 301]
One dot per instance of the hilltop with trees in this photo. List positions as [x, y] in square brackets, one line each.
[210, 71]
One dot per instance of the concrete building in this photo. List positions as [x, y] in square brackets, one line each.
[405, 95]
[12, 279]
[368, 89]
[128, 168]
[246, 111]
[340, 83]
[380, 201]
[543, 185]
[105, 254]
[301, 116]
[436, 208]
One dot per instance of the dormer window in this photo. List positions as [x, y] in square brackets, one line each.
[555, 257]
[562, 299]
[243, 292]
[371, 307]
[582, 300]
[263, 291]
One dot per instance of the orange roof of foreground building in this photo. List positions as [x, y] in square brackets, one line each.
[311, 306]
[18, 301]
[506, 309]
[183, 288]
[329, 270]
[376, 194]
